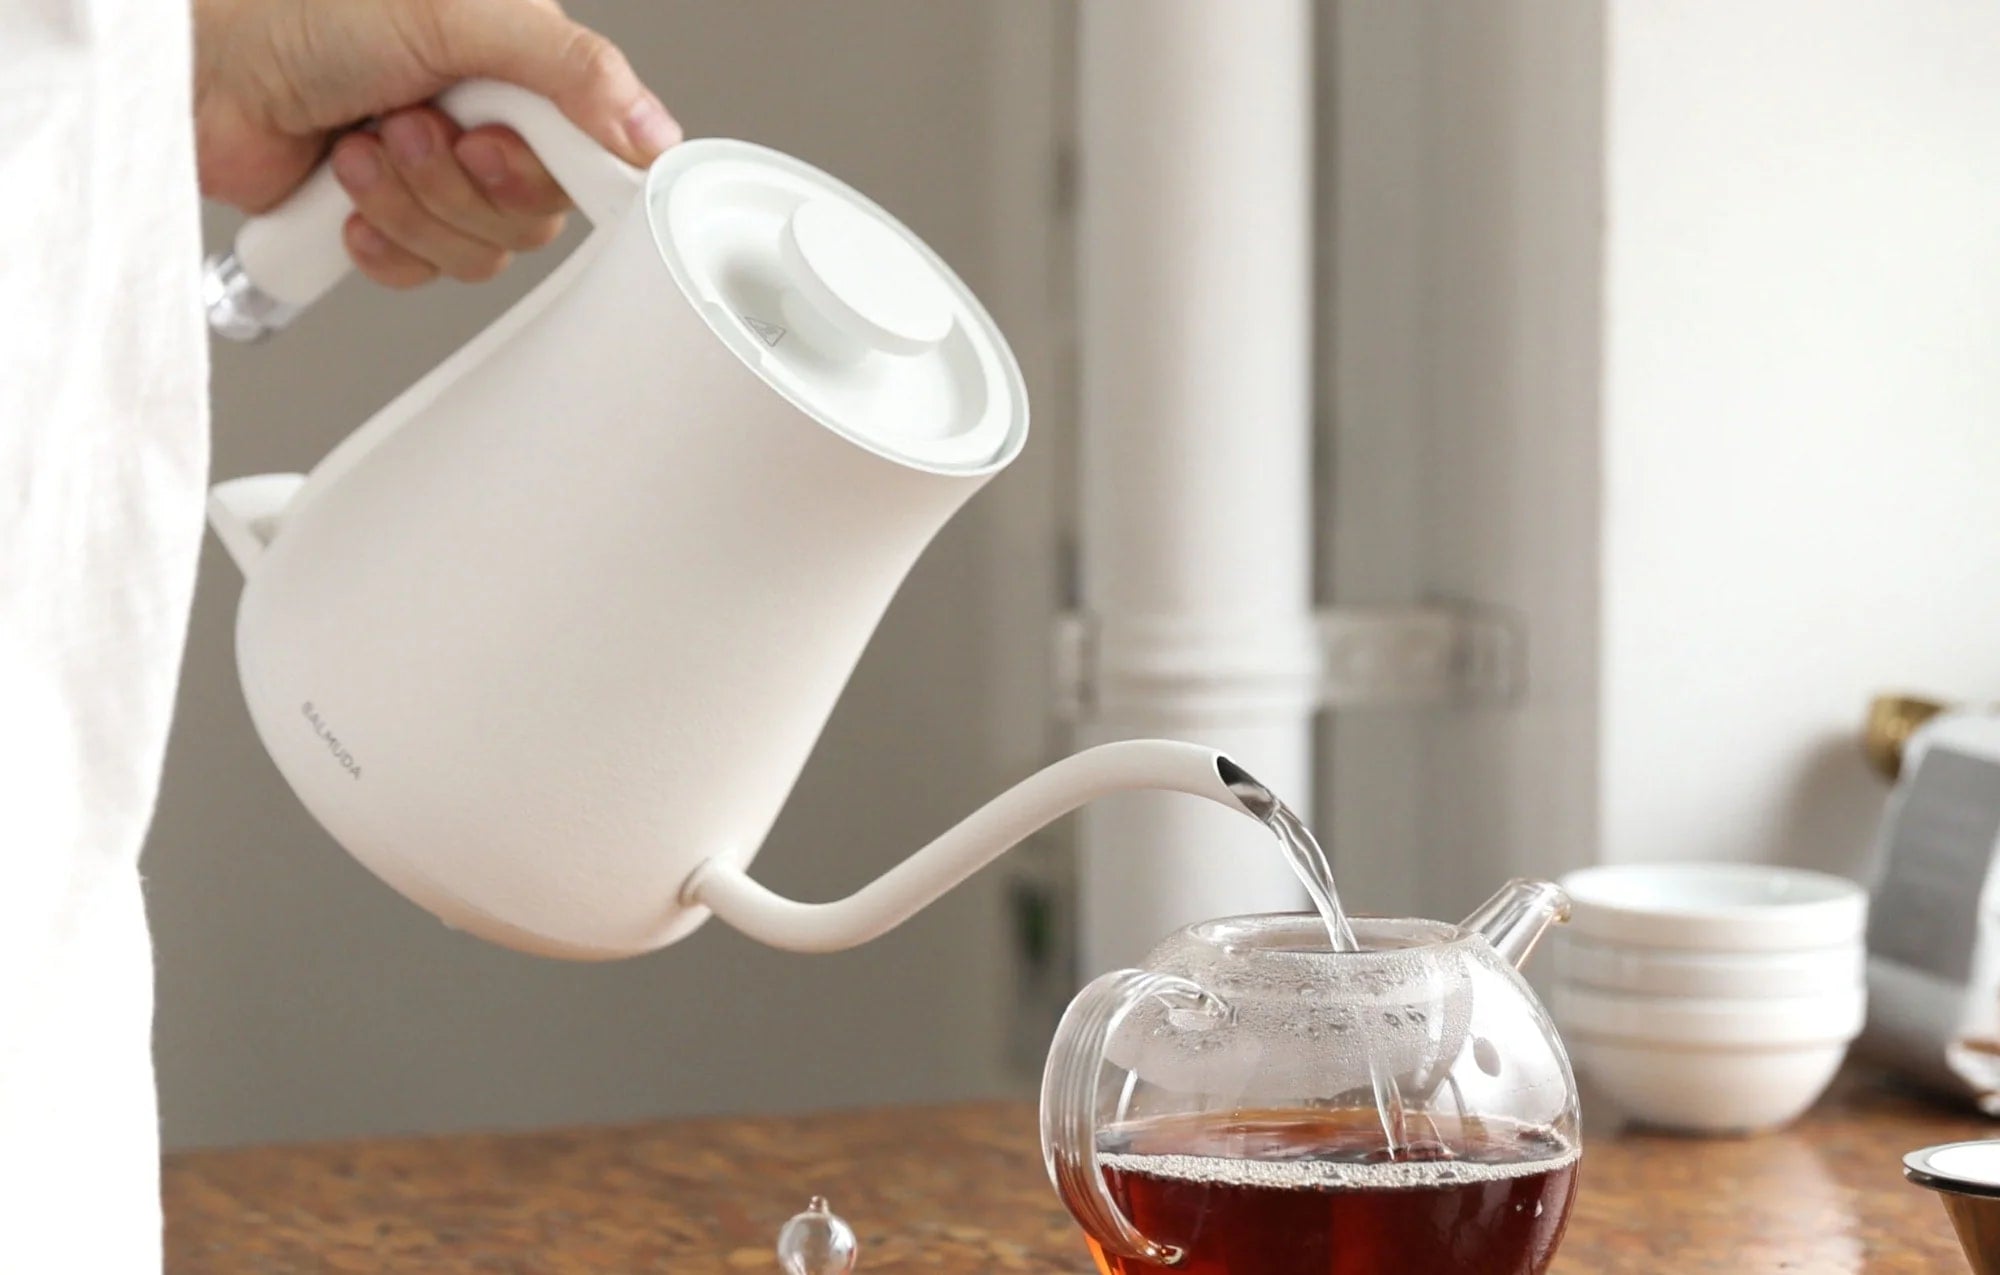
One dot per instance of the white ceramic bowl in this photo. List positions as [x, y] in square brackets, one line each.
[1707, 1089]
[1658, 971]
[1714, 907]
[1714, 1022]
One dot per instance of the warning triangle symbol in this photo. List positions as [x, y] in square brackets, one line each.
[769, 333]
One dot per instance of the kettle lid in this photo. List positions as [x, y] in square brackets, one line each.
[838, 306]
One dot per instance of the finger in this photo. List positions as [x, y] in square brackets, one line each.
[579, 70]
[421, 145]
[384, 202]
[510, 175]
[382, 261]
[250, 167]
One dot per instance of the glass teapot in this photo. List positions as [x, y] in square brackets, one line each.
[1252, 1101]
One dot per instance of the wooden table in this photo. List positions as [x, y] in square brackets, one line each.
[960, 1189]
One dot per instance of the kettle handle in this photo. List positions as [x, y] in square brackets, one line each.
[1071, 1090]
[288, 258]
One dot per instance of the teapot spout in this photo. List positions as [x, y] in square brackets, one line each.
[1515, 919]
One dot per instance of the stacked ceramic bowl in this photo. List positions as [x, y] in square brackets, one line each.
[1708, 997]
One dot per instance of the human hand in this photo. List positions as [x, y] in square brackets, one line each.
[276, 79]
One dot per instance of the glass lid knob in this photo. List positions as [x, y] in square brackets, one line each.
[817, 1242]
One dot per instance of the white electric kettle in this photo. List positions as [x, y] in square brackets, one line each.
[546, 642]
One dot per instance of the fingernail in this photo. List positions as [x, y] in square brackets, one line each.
[409, 139]
[650, 129]
[484, 159]
[357, 165]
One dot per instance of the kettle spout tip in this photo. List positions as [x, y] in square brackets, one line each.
[246, 513]
[1257, 801]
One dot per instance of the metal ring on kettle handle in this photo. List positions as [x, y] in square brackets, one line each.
[288, 258]
[1069, 1101]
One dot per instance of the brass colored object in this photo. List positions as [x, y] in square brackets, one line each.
[1892, 719]
[1976, 1218]
[1972, 1202]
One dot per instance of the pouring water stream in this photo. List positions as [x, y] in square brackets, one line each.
[1309, 862]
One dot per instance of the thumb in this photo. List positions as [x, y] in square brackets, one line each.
[583, 73]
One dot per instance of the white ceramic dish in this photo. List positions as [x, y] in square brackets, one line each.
[1714, 907]
[1957, 1166]
[1685, 1021]
[1656, 971]
[1707, 1089]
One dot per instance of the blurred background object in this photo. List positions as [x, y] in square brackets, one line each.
[1892, 719]
[1665, 332]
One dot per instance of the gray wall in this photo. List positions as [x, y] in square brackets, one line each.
[298, 998]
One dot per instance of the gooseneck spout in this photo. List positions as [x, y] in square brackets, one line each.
[981, 837]
[1515, 919]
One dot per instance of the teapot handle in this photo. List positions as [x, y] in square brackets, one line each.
[1070, 1088]
[288, 258]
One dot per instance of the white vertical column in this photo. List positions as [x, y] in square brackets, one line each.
[1195, 246]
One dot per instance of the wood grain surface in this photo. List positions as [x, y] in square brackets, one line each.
[960, 1189]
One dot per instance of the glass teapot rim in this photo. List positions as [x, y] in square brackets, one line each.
[1301, 937]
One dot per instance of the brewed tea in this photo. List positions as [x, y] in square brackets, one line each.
[1318, 1193]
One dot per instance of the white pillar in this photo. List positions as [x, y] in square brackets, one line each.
[1195, 308]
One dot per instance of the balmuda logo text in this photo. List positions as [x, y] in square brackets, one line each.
[331, 740]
